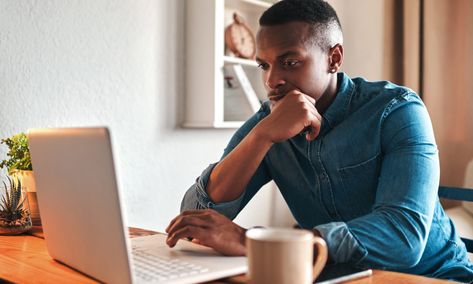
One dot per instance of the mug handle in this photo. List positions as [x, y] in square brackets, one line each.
[322, 253]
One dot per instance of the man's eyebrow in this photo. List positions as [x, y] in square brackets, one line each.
[285, 54]
[288, 53]
[259, 60]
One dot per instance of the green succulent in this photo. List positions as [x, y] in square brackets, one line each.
[11, 204]
[19, 154]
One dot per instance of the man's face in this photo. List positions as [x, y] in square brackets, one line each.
[290, 60]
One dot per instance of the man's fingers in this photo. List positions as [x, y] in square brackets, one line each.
[273, 104]
[208, 228]
[186, 232]
[313, 109]
[316, 114]
[315, 120]
[200, 220]
[187, 213]
[314, 129]
[205, 214]
[309, 99]
[171, 223]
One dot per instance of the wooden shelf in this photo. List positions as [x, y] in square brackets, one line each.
[264, 4]
[248, 5]
[242, 61]
[229, 124]
[207, 100]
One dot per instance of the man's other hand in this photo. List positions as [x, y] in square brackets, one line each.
[209, 228]
[290, 115]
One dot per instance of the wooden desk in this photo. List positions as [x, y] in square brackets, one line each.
[24, 259]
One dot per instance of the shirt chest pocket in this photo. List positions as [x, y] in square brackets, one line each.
[358, 186]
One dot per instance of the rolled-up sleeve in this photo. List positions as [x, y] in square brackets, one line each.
[395, 233]
[196, 196]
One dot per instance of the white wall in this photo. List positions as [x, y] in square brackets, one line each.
[114, 63]
[363, 31]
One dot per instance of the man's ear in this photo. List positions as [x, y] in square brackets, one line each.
[335, 57]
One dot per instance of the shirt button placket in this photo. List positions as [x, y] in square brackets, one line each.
[326, 187]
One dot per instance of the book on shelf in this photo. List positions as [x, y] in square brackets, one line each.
[240, 99]
[247, 88]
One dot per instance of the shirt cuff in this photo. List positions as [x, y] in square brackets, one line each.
[229, 209]
[343, 247]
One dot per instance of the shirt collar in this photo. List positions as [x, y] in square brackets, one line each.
[338, 110]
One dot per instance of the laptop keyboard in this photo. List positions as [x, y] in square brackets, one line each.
[150, 267]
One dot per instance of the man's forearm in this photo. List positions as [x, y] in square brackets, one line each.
[230, 177]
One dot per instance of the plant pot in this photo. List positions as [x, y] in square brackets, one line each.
[20, 224]
[28, 182]
[14, 230]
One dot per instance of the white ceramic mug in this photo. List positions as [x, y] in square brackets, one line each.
[279, 255]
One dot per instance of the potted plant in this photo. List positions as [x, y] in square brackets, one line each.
[14, 209]
[19, 167]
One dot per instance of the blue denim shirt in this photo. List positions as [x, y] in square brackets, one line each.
[368, 183]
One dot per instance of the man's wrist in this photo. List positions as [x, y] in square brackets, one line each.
[261, 135]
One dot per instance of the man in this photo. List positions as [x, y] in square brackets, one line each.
[356, 161]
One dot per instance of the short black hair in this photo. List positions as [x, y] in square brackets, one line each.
[319, 13]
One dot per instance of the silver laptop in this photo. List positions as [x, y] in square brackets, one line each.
[83, 218]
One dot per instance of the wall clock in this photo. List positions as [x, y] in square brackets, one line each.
[240, 39]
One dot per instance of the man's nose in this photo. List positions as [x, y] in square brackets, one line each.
[274, 80]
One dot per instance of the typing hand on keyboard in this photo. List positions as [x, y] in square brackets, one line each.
[209, 228]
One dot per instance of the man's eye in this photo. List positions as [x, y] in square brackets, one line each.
[290, 63]
[263, 66]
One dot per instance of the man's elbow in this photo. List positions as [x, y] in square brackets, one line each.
[409, 253]
[409, 240]
[410, 258]
[399, 252]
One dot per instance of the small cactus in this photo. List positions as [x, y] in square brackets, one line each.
[12, 206]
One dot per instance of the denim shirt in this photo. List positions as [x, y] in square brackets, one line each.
[368, 183]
